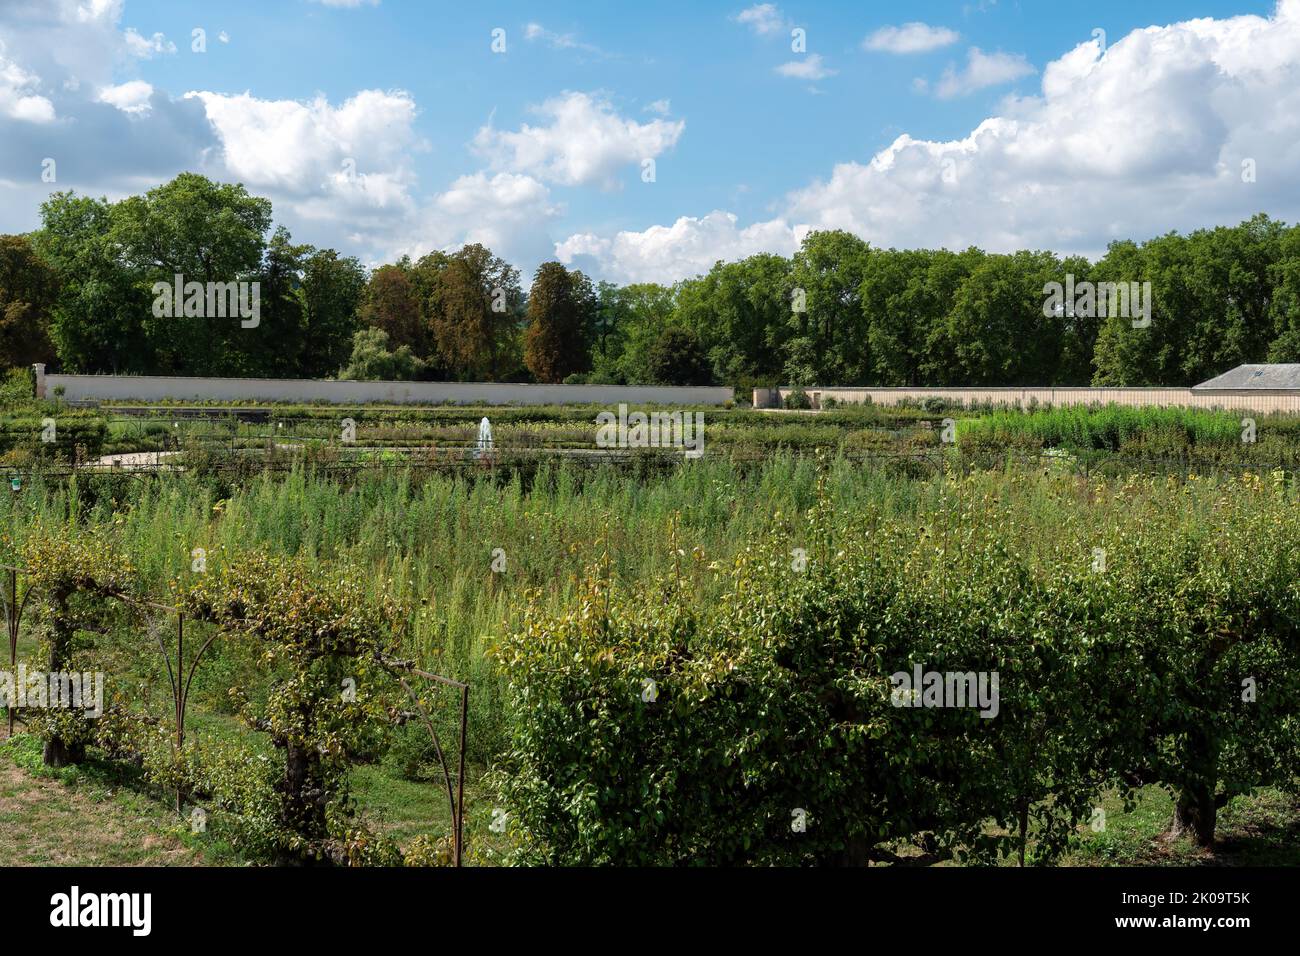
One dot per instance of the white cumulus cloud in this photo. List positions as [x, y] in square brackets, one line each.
[582, 141]
[811, 67]
[559, 41]
[765, 19]
[688, 247]
[982, 70]
[19, 99]
[910, 38]
[1150, 136]
[134, 97]
[340, 174]
[510, 213]
[146, 48]
[298, 147]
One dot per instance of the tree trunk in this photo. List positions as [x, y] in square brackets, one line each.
[1024, 829]
[303, 798]
[1195, 815]
[58, 752]
[1196, 811]
[856, 852]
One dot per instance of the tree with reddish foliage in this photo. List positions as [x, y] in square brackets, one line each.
[473, 306]
[391, 304]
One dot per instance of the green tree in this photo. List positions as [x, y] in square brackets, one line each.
[391, 304]
[1234, 270]
[1213, 304]
[741, 312]
[608, 337]
[562, 310]
[1079, 333]
[1124, 355]
[944, 276]
[627, 322]
[276, 345]
[474, 308]
[372, 361]
[996, 331]
[1285, 303]
[677, 358]
[332, 287]
[28, 291]
[900, 311]
[98, 320]
[206, 232]
[829, 344]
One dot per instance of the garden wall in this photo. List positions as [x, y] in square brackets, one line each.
[84, 388]
[1260, 400]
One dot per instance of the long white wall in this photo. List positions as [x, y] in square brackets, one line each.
[1258, 401]
[166, 388]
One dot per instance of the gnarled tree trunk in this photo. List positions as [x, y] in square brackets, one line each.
[58, 752]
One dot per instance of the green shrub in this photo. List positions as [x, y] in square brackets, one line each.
[773, 705]
[17, 388]
[75, 433]
[798, 399]
[1108, 427]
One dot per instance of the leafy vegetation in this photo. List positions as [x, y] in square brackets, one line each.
[837, 312]
[772, 706]
[771, 684]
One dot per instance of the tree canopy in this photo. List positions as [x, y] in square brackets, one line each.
[80, 293]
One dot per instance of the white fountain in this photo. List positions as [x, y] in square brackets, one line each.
[484, 438]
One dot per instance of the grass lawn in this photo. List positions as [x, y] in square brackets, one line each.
[99, 815]
[85, 816]
[1260, 829]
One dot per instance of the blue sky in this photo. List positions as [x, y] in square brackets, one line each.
[538, 149]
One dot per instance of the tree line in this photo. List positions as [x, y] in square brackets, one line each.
[77, 293]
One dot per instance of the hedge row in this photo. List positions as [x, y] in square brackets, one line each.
[80, 434]
[764, 730]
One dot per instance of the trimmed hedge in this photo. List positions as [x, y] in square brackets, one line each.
[774, 707]
[78, 433]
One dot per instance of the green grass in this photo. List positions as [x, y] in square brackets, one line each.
[1258, 829]
[90, 815]
[1120, 427]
